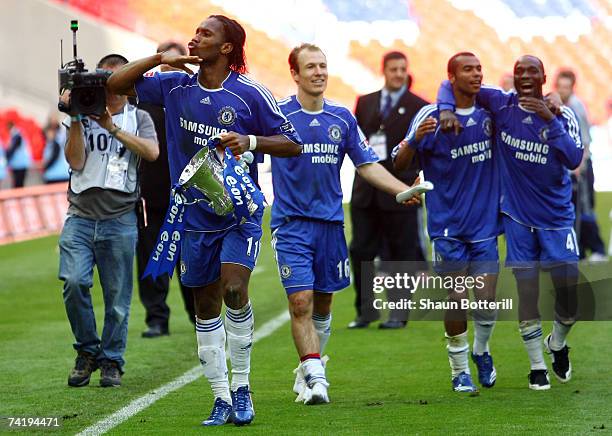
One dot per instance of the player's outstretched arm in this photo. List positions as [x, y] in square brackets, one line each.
[122, 81]
[276, 145]
[377, 176]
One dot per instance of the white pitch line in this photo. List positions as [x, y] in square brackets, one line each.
[139, 404]
[258, 270]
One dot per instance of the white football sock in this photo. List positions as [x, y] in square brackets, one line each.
[211, 351]
[559, 333]
[239, 325]
[314, 372]
[484, 322]
[458, 349]
[322, 324]
[531, 332]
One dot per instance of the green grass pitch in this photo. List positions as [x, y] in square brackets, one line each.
[382, 382]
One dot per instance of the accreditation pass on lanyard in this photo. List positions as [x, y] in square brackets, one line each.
[117, 168]
[378, 143]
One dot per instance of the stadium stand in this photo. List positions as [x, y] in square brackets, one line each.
[28, 126]
[369, 11]
[497, 42]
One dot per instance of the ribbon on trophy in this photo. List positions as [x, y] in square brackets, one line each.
[227, 189]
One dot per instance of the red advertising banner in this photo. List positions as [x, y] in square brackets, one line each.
[32, 212]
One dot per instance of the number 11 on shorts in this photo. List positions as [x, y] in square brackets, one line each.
[255, 249]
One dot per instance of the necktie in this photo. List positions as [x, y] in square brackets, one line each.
[386, 106]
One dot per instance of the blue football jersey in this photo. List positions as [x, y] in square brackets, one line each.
[464, 203]
[194, 114]
[309, 185]
[535, 158]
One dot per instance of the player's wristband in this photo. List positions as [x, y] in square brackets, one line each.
[76, 118]
[252, 142]
[114, 130]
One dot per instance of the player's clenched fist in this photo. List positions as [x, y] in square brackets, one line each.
[237, 143]
[427, 126]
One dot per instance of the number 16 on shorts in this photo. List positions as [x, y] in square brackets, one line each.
[344, 269]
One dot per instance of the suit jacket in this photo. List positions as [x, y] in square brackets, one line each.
[155, 176]
[395, 126]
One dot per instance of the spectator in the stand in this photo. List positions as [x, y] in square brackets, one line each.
[18, 155]
[56, 168]
[155, 190]
[2, 163]
[507, 82]
[101, 227]
[583, 177]
[381, 226]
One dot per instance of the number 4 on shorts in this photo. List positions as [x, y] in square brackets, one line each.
[569, 244]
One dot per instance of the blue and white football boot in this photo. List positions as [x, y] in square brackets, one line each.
[220, 413]
[463, 383]
[243, 411]
[486, 371]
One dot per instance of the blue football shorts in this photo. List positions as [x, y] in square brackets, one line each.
[529, 247]
[311, 255]
[202, 253]
[454, 255]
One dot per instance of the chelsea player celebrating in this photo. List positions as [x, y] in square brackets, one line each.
[217, 254]
[536, 150]
[307, 215]
[462, 212]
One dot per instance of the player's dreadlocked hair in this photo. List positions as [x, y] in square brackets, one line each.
[234, 34]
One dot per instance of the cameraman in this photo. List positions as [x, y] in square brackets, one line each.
[103, 153]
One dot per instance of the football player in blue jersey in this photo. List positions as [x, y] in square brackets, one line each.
[536, 150]
[462, 213]
[307, 215]
[217, 254]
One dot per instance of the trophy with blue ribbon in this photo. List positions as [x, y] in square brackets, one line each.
[226, 188]
[204, 172]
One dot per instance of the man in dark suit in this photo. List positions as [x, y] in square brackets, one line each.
[155, 190]
[380, 225]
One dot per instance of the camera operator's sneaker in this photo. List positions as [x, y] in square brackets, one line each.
[538, 380]
[220, 413]
[463, 383]
[110, 374]
[561, 365]
[84, 365]
[242, 407]
[486, 371]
